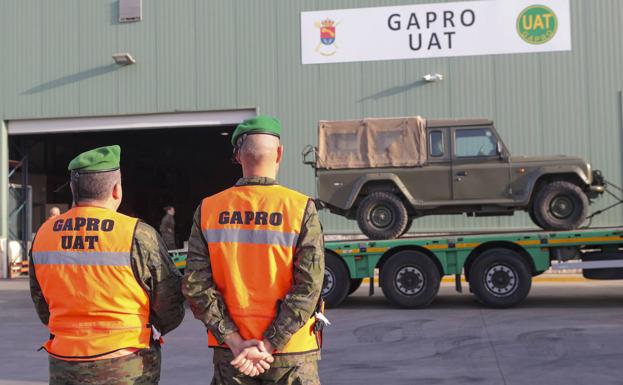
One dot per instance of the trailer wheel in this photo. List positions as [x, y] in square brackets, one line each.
[355, 283]
[602, 274]
[410, 279]
[336, 280]
[500, 278]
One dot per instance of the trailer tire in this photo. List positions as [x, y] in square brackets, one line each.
[355, 283]
[336, 281]
[606, 273]
[500, 278]
[410, 279]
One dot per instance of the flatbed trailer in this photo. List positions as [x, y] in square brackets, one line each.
[498, 266]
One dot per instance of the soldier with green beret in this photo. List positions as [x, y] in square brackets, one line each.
[103, 283]
[255, 283]
[262, 124]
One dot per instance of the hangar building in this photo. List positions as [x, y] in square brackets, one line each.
[201, 67]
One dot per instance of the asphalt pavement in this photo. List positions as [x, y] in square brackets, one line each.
[564, 333]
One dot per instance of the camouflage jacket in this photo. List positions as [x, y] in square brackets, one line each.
[296, 308]
[154, 270]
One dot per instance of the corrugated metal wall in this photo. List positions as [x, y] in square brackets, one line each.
[226, 54]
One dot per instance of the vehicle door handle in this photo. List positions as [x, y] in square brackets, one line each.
[461, 173]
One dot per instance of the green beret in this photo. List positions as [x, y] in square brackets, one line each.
[97, 160]
[262, 124]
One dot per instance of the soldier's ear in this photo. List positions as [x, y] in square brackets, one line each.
[235, 156]
[279, 153]
[117, 192]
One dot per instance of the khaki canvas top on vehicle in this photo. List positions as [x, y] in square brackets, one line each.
[372, 142]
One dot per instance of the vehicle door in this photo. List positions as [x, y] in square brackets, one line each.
[480, 170]
[432, 182]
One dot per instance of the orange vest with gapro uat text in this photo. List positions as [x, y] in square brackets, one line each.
[252, 232]
[82, 261]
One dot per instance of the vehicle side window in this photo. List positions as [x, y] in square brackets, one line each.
[343, 142]
[435, 143]
[474, 142]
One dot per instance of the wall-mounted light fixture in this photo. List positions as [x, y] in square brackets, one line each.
[123, 58]
[432, 77]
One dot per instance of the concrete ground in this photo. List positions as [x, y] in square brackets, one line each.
[564, 333]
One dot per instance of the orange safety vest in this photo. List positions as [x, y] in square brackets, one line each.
[82, 263]
[252, 232]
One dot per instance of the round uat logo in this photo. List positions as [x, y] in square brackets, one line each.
[537, 24]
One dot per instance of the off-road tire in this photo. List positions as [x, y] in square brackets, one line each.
[531, 214]
[336, 275]
[500, 278]
[382, 215]
[410, 279]
[560, 205]
[407, 227]
[355, 283]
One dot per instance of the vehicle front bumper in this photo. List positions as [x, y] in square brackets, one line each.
[598, 186]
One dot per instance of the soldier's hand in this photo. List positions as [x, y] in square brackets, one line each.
[253, 359]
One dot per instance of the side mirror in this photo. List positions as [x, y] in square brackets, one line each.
[310, 152]
[500, 150]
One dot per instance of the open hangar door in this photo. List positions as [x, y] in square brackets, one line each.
[175, 166]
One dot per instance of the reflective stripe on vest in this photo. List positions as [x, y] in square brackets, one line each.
[83, 265]
[252, 232]
[257, 237]
[80, 258]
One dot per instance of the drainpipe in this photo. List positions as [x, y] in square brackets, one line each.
[4, 199]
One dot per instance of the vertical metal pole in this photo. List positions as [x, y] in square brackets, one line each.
[620, 134]
[25, 201]
[4, 199]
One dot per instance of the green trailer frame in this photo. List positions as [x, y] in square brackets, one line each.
[509, 259]
[499, 266]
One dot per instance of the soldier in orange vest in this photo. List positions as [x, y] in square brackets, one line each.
[103, 283]
[255, 269]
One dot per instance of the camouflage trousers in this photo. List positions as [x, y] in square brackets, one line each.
[140, 368]
[303, 373]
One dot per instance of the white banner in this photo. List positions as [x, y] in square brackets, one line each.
[435, 30]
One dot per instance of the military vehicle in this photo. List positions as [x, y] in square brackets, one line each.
[386, 172]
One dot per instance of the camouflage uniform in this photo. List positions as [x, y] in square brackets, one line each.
[141, 368]
[167, 231]
[156, 272]
[296, 308]
[298, 373]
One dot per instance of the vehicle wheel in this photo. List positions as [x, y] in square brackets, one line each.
[336, 280]
[500, 278]
[531, 214]
[560, 205]
[410, 279]
[355, 283]
[382, 215]
[407, 227]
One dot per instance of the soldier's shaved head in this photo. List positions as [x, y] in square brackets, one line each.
[259, 148]
[94, 187]
[260, 155]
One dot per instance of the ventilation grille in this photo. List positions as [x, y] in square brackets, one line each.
[130, 10]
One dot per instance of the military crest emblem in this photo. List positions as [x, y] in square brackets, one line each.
[327, 46]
